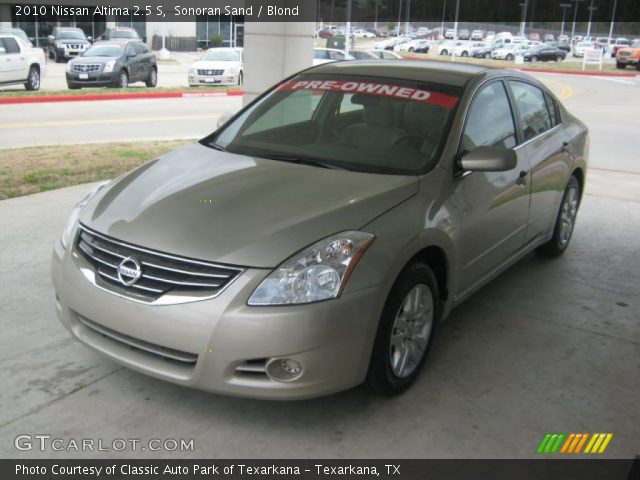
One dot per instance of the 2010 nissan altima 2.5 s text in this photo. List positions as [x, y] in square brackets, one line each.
[316, 239]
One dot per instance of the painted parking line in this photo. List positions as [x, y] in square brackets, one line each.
[618, 80]
[562, 90]
[66, 123]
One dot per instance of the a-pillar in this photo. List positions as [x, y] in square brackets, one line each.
[273, 51]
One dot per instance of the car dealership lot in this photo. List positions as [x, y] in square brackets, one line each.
[551, 345]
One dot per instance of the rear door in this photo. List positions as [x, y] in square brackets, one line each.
[14, 63]
[133, 61]
[545, 144]
[494, 205]
[145, 60]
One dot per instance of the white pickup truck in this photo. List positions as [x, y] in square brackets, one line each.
[20, 63]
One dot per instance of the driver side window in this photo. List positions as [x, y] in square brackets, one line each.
[489, 120]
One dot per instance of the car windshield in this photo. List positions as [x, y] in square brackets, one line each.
[70, 35]
[371, 125]
[123, 34]
[220, 56]
[104, 51]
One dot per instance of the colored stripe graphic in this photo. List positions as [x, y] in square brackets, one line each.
[598, 442]
[573, 443]
[550, 443]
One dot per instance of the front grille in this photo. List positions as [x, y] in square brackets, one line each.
[209, 72]
[160, 276]
[178, 357]
[73, 46]
[256, 368]
[86, 67]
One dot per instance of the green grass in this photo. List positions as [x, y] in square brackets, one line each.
[20, 92]
[37, 169]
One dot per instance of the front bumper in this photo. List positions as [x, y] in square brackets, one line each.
[332, 340]
[94, 79]
[202, 80]
[627, 60]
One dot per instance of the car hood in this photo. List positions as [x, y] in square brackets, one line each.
[215, 65]
[222, 207]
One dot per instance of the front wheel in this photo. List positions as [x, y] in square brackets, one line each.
[509, 57]
[123, 80]
[565, 221]
[487, 56]
[444, 52]
[534, 59]
[240, 79]
[33, 80]
[405, 332]
[152, 80]
[620, 65]
[465, 54]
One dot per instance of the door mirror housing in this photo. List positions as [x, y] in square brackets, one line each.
[489, 159]
[224, 118]
[51, 38]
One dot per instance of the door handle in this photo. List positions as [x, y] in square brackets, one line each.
[522, 178]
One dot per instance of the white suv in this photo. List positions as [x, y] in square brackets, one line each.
[20, 63]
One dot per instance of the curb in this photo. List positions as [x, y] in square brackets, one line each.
[567, 72]
[541, 70]
[115, 96]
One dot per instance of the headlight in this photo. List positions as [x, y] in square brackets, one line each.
[192, 71]
[59, 44]
[318, 272]
[73, 218]
[108, 67]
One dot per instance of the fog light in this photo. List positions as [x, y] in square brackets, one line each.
[284, 369]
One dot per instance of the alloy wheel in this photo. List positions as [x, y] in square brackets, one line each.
[568, 216]
[411, 331]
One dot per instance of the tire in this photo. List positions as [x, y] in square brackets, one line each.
[55, 57]
[123, 79]
[465, 54]
[392, 369]
[444, 52]
[487, 56]
[509, 57]
[559, 58]
[534, 59]
[73, 87]
[620, 65]
[240, 78]
[152, 81]
[411, 49]
[565, 222]
[33, 79]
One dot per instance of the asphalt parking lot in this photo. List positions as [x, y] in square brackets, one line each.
[551, 345]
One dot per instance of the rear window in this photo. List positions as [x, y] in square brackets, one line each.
[361, 124]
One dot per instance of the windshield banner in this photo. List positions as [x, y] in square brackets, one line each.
[373, 88]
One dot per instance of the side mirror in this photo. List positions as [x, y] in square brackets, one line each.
[224, 118]
[489, 159]
[90, 39]
[51, 38]
[2, 50]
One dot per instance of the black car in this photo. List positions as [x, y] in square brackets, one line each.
[484, 52]
[113, 64]
[544, 53]
[120, 33]
[67, 42]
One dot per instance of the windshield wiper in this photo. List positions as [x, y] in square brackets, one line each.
[313, 162]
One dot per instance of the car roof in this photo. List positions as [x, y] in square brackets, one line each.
[456, 74]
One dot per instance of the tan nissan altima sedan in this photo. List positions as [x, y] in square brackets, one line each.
[316, 239]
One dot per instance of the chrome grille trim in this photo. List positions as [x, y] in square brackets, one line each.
[164, 278]
[86, 67]
[209, 71]
[164, 352]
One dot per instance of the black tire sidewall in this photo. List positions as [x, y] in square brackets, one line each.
[380, 377]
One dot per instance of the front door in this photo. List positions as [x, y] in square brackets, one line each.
[494, 206]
